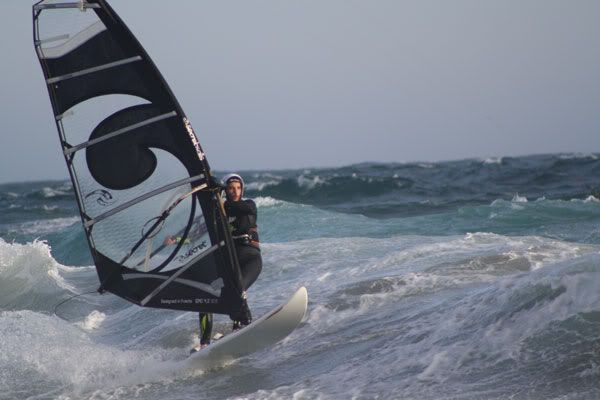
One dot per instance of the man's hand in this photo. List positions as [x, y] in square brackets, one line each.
[170, 240]
[213, 183]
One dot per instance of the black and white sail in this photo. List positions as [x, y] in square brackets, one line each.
[155, 225]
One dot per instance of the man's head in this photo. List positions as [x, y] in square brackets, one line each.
[234, 187]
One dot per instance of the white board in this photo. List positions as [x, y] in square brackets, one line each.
[265, 331]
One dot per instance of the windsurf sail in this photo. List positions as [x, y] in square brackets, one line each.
[153, 220]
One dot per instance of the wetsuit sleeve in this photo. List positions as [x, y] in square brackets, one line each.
[214, 183]
[240, 208]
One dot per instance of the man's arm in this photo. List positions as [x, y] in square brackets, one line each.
[213, 183]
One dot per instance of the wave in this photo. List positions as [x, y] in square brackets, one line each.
[518, 324]
[440, 312]
[48, 192]
[44, 227]
[59, 190]
[36, 190]
[267, 201]
[371, 200]
[589, 199]
[29, 277]
[65, 353]
[389, 190]
[519, 199]
[574, 220]
[571, 156]
[421, 265]
[280, 221]
[493, 160]
[478, 316]
[406, 189]
[57, 356]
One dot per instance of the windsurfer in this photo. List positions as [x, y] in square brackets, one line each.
[241, 214]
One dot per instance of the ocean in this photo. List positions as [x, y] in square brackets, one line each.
[469, 279]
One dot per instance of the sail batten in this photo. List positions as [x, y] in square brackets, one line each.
[154, 224]
[119, 132]
[56, 6]
[52, 39]
[203, 286]
[143, 197]
[93, 69]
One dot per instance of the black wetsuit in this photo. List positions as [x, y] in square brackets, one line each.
[242, 221]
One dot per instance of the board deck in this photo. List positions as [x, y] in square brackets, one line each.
[265, 331]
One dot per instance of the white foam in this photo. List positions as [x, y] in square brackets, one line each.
[269, 175]
[324, 276]
[43, 227]
[92, 321]
[519, 199]
[293, 392]
[425, 165]
[45, 348]
[438, 362]
[259, 186]
[516, 203]
[49, 192]
[493, 160]
[438, 306]
[412, 284]
[267, 201]
[576, 293]
[67, 268]
[311, 183]
[571, 156]
[497, 202]
[26, 264]
[579, 295]
[414, 266]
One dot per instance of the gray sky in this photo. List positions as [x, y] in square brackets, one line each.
[287, 84]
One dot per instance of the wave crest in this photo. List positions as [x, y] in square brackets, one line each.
[29, 276]
[267, 201]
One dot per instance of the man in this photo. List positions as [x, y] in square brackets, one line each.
[241, 216]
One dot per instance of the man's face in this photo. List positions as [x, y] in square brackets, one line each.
[234, 191]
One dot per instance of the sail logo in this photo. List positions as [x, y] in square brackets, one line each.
[192, 251]
[102, 197]
[194, 139]
[189, 301]
[175, 301]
